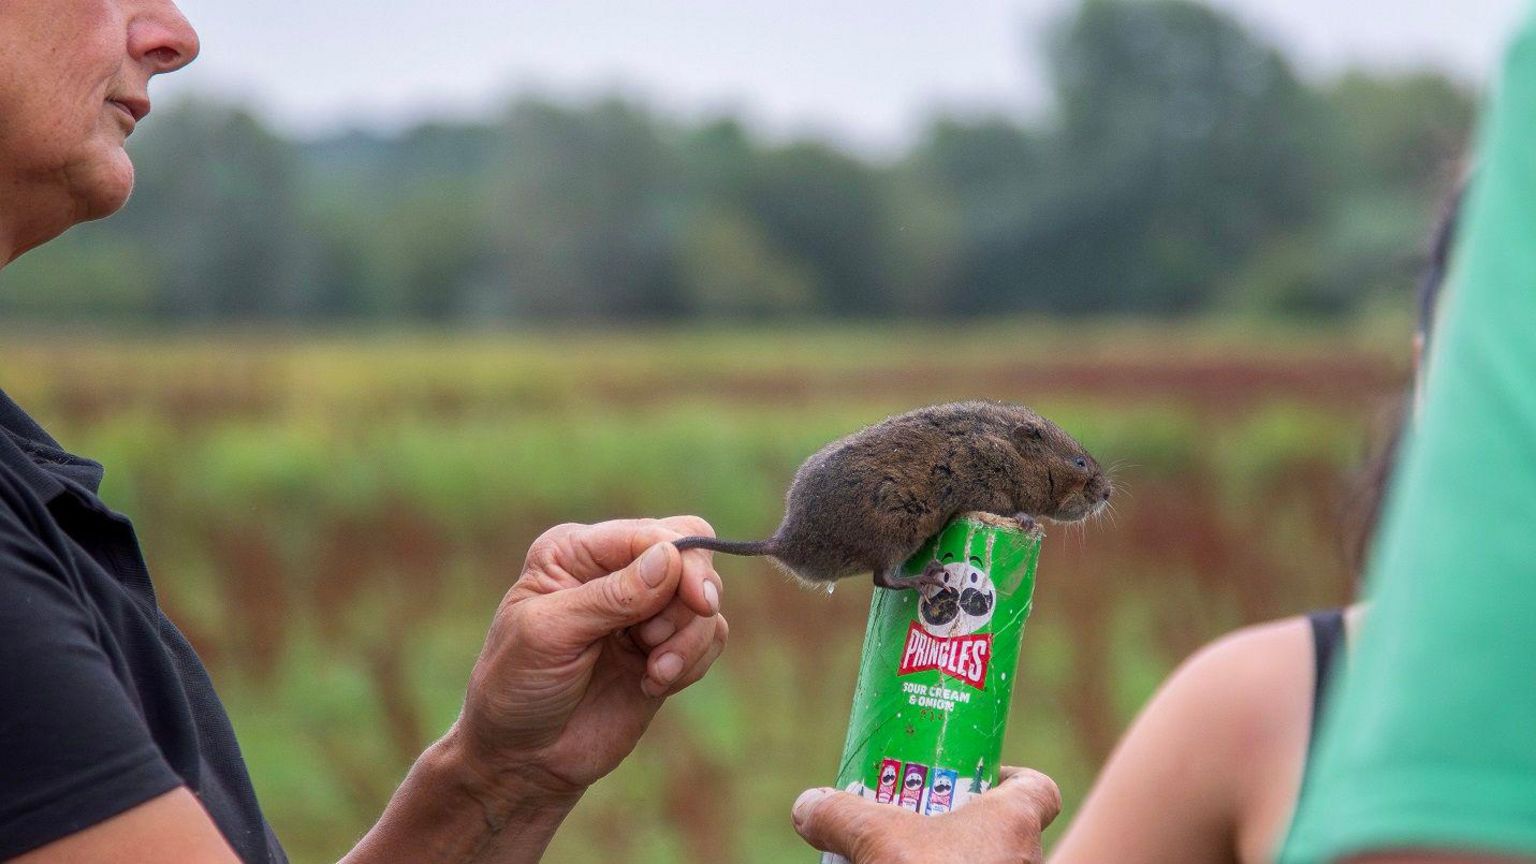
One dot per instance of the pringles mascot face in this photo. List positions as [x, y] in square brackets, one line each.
[958, 598]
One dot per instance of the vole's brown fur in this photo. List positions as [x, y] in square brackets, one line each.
[865, 503]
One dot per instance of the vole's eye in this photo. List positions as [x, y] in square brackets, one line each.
[1080, 462]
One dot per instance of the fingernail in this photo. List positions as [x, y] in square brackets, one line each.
[669, 667]
[711, 596]
[656, 631]
[805, 803]
[653, 565]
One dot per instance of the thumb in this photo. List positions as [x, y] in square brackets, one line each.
[1028, 794]
[1020, 807]
[840, 822]
[597, 607]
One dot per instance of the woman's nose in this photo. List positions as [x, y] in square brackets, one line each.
[161, 37]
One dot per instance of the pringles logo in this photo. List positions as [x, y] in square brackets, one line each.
[962, 657]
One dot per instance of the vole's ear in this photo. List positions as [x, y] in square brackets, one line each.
[1028, 436]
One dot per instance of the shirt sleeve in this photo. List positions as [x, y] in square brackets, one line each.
[74, 749]
[1432, 743]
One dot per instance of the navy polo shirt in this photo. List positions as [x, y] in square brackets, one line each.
[103, 703]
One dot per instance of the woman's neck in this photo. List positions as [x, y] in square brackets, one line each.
[18, 236]
[13, 203]
[8, 251]
[31, 214]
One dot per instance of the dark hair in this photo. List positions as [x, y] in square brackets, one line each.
[1438, 260]
[1369, 489]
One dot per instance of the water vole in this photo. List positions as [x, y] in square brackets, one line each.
[865, 503]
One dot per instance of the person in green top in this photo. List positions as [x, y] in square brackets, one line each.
[1428, 751]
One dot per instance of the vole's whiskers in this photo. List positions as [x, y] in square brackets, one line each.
[1078, 529]
[1117, 482]
[1118, 487]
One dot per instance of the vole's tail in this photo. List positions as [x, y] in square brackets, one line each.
[729, 547]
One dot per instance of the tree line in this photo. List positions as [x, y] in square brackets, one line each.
[1183, 167]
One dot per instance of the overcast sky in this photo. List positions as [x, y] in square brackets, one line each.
[864, 71]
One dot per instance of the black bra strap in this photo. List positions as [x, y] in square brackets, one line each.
[1327, 637]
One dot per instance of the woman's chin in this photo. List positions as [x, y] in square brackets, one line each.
[106, 189]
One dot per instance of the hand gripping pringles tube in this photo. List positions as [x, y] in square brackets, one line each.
[937, 669]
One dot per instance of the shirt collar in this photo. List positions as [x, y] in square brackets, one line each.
[28, 450]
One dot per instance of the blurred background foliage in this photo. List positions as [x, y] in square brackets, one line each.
[333, 520]
[1184, 167]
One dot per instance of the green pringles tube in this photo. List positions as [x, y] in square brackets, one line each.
[937, 670]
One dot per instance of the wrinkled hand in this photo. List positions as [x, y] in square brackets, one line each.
[604, 623]
[1002, 826]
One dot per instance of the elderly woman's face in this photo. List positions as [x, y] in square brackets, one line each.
[74, 80]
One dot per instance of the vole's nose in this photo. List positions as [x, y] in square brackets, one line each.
[1105, 496]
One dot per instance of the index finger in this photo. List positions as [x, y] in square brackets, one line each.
[701, 587]
[582, 553]
[589, 552]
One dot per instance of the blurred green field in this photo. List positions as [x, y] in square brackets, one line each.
[333, 519]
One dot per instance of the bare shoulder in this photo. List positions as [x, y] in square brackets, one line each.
[1238, 707]
[1249, 686]
[1275, 652]
[1221, 743]
[1248, 696]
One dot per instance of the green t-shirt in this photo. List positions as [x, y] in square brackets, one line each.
[1431, 741]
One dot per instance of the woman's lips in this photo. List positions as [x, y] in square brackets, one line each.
[132, 120]
[136, 109]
